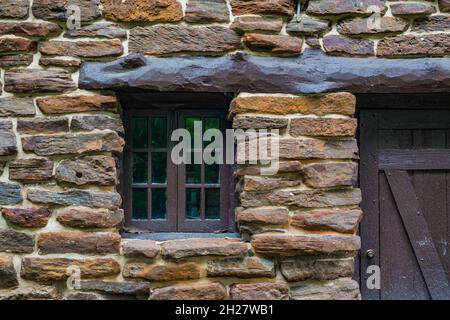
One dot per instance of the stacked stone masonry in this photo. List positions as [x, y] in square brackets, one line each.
[60, 148]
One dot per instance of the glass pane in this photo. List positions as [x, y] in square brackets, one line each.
[193, 173]
[140, 133]
[212, 123]
[193, 204]
[140, 204]
[190, 126]
[159, 132]
[212, 207]
[212, 173]
[140, 174]
[159, 201]
[159, 167]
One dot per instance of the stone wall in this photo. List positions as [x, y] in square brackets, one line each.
[60, 209]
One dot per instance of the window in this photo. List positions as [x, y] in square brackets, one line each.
[160, 196]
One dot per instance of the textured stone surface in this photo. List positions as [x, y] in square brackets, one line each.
[84, 296]
[165, 39]
[325, 127]
[207, 291]
[162, 272]
[444, 5]
[338, 7]
[30, 29]
[178, 249]
[413, 45]
[207, 11]
[339, 220]
[71, 104]
[363, 26]
[283, 167]
[2, 167]
[63, 62]
[17, 44]
[99, 122]
[35, 80]
[330, 174]
[21, 60]
[10, 193]
[313, 42]
[412, 9]
[78, 242]
[143, 10]
[270, 24]
[16, 107]
[103, 29]
[8, 142]
[296, 245]
[31, 293]
[308, 26]
[260, 291]
[82, 49]
[340, 289]
[276, 44]
[27, 217]
[56, 269]
[279, 7]
[14, 9]
[433, 23]
[15, 241]
[8, 275]
[116, 288]
[57, 9]
[140, 248]
[86, 218]
[96, 199]
[96, 170]
[340, 45]
[255, 183]
[73, 144]
[267, 215]
[301, 269]
[43, 125]
[302, 198]
[241, 72]
[250, 267]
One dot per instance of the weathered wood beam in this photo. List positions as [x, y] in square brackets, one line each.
[312, 72]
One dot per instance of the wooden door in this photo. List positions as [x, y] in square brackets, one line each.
[405, 182]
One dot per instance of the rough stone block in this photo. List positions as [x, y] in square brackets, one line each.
[82, 49]
[301, 269]
[27, 217]
[86, 218]
[140, 248]
[259, 122]
[437, 44]
[344, 7]
[116, 288]
[412, 9]
[16, 107]
[57, 9]
[267, 24]
[162, 272]
[265, 215]
[8, 142]
[249, 267]
[330, 174]
[275, 44]
[10, 194]
[179, 249]
[340, 45]
[15, 241]
[8, 275]
[73, 104]
[11, 45]
[260, 291]
[97, 122]
[143, 10]
[31, 29]
[277, 7]
[14, 9]
[308, 26]
[200, 11]
[38, 81]
[324, 127]
[206, 291]
[43, 125]
[103, 30]
[31, 293]
[339, 289]
[363, 26]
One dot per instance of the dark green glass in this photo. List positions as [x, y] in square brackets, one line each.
[140, 204]
[212, 123]
[159, 167]
[190, 126]
[140, 172]
[193, 172]
[212, 174]
[212, 204]
[159, 204]
[159, 132]
[193, 204]
[140, 133]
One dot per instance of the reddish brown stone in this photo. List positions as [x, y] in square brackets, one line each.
[86, 218]
[279, 7]
[21, 60]
[412, 9]
[342, 103]
[339, 220]
[2, 167]
[56, 269]
[304, 268]
[259, 122]
[331, 174]
[14, 9]
[72, 104]
[250, 267]
[103, 29]
[361, 26]
[178, 249]
[8, 275]
[168, 39]
[444, 5]
[266, 24]
[324, 127]
[15, 241]
[78, 242]
[162, 272]
[207, 291]
[60, 62]
[16, 45]
[297, 245]
[31, 293]
[415, 45]
[207, 11]
[267, 215]
[308, 26]
[73, 144]
[261, 183]
[283, 167]
[58, 9]
[38, 81]
[140, 248]
[43, 125]
[341, 7]
[260, 291]
[277, 44]
[8, 142]
[433, 23]
[82, 49]
[27, 217]
[142, 10]
[31, 29]
[340, 45]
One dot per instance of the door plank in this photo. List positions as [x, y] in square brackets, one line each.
[418, 233]
[424, 159]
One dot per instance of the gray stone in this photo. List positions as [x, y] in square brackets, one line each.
[341, 7]
[17, 107]
[20, 60]
[207, 11]
[430, 24]
[8, 143]
[116, 288]
[340, 289]
[31, 170]
[14, 9]
[10, 194]
[305, 268]
[249, 267]
[308, 26]
[38, 81]
[42, 125]
[8, 275]
[104, 29]
[330, 174]
[269, 24]
[96, 122]
[15, 241]
[57, 9]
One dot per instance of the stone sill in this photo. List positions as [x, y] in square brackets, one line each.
[176, 235]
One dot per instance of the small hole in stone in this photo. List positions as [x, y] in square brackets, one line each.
[79, 175]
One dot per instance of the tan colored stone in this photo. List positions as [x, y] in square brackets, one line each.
[142, 10]
[279, 7]
[283, 167]
[253, 23]
[60, 62]
[264, 215]
[140, 248]
[17, 60]
[162, 272]
[82, 49]
[72, 104]
[305, 268]
[444, 5]
[249, 267]
[339, 289]
[260, 291]
[206, 291]
[261, 183]
[8, 44]
[259, 122]
[330, 174]
[323, 127]
[178, 249]
[31, 293]
[30, 29]
[27, 217]
[275, 44]
[38, 81]
[17, 107]
[85, 218]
